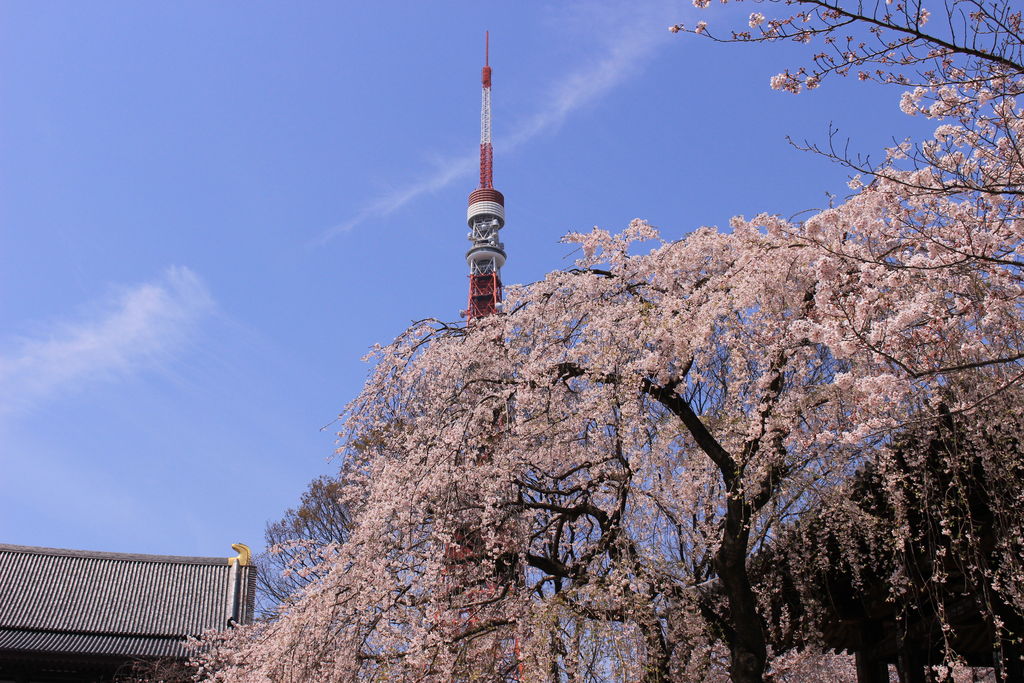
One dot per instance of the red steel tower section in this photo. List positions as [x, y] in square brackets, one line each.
[486, 216]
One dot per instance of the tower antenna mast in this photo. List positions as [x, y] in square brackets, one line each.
[486, 216]
[486, 151]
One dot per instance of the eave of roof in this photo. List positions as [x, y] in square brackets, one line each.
[27, 642]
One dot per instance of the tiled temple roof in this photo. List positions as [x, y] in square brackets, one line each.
[113, 604]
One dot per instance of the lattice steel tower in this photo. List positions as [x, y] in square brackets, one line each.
[486, 216]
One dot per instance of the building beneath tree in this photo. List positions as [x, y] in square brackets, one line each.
[89, 617]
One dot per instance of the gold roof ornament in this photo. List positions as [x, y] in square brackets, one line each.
[244, 557]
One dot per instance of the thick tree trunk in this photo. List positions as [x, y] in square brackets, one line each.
[748, 653]
[747, 650]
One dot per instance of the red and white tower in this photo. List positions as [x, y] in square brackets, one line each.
[486, 216]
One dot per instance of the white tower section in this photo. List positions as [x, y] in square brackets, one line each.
[485, 216]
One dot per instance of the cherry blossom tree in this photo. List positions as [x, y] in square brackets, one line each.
[622, 439]
[573, 490]
[577, 489]
[606, 456]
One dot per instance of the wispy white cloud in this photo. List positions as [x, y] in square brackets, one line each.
[390, 202]
[622, 57]
[618, 49]
[140, 327]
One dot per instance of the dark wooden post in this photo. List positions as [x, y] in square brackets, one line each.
[910, 664]
[870, 669]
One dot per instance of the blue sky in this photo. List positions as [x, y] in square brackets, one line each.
[210, 211]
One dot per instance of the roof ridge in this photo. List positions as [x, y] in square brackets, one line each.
[103, 555]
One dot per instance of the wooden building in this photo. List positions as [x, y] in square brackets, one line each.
[88, 617]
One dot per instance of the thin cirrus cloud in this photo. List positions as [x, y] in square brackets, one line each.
[139, 328]
[623, 53]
